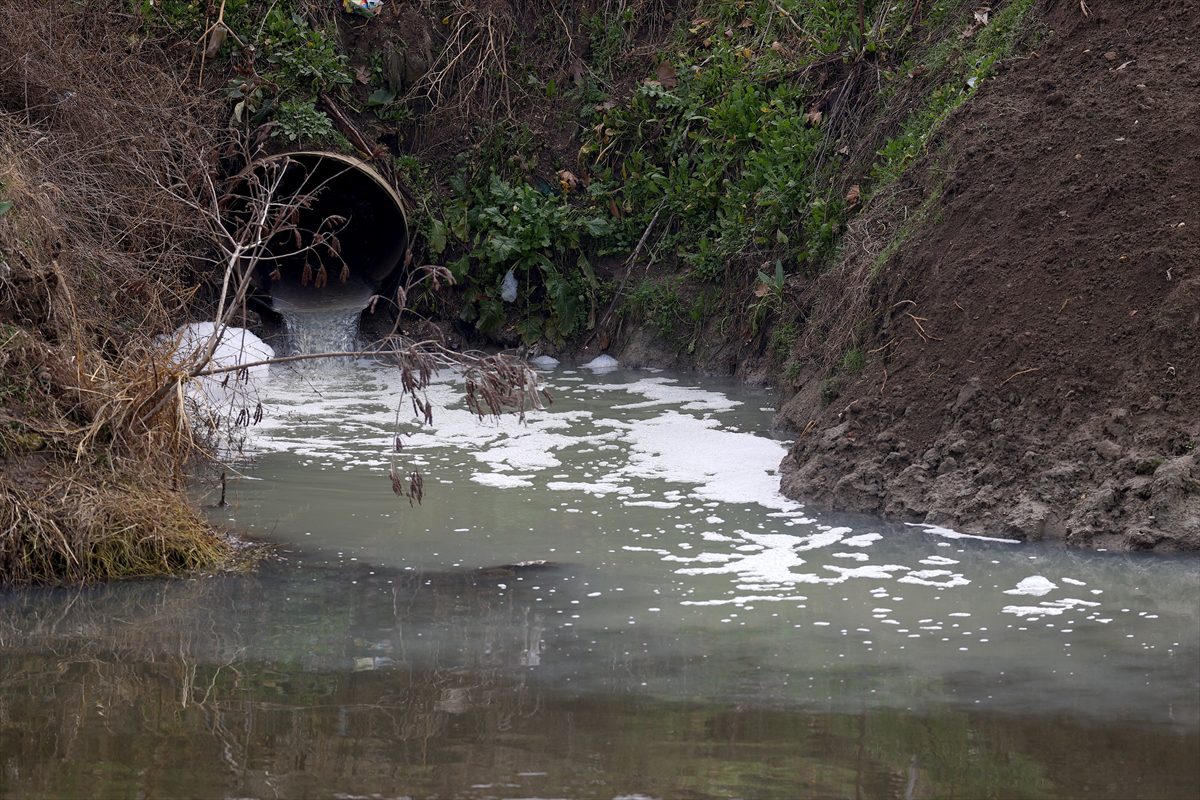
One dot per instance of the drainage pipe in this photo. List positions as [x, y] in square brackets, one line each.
[372, 240]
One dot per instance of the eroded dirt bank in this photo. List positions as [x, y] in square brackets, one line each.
[1032, 361]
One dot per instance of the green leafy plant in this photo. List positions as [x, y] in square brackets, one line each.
[301, 58]
[538, 236]
[301, 121]
[768, 293]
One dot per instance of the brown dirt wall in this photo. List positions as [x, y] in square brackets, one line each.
[1033, 350]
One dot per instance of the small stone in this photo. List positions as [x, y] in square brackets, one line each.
[1111, 55]
[1108, 449]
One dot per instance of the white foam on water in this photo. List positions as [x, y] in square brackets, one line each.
[670, 448]
[772, 566]
[873, 571]
[236, 346]
[602, 363]
[724, 466]
[599, 488]
[1049, 608]
[947, 533]
[500, 480]
[213, 398]
[1034, 585]
[666, 391]
[744, 600]
[935, 577]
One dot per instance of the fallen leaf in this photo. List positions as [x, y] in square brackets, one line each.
[363, 74]
[854, 195]
[813, 117]
[666, 75]
[761, 290]
[981, 15]
[747, 23]
[567, 180]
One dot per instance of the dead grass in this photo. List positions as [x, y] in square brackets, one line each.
[116, 179]
[488, 49]
[94, 263]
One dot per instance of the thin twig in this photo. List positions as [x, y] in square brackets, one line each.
[1020, 372]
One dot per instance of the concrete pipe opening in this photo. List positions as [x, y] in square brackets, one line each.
[352, 224]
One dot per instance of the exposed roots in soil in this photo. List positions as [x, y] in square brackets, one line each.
[470, 75]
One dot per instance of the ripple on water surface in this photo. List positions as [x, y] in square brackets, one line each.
[660, 497]
[618, 572]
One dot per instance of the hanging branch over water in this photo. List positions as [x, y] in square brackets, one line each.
[248, 218]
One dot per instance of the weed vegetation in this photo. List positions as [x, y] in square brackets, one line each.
[690, 169]
[95, 261]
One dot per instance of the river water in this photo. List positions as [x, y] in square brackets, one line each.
[609, 599]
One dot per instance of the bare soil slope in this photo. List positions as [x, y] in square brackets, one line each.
[1033, 364]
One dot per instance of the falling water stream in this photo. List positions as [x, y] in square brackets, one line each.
[608, 599]
[321, 320]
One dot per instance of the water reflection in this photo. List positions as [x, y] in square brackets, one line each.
[431, 685]
[610, 601]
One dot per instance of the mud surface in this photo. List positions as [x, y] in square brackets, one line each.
[1036, 371]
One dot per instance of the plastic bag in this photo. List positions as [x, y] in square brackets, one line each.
[508, 288]
[364, 8]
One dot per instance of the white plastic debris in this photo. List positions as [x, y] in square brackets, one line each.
[1034, 585]
[544, 362]
[508, 288]
[236, 347]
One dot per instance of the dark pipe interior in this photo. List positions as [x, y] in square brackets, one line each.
[372, 239]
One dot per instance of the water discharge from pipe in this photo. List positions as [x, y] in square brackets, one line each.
[353, 221]
[322, 320]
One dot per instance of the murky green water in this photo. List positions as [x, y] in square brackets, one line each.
[693, 634]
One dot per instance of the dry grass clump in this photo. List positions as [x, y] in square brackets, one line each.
[473, 76]
[95, 261]
[73, 528]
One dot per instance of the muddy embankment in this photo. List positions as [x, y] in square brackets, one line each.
[1033, 352]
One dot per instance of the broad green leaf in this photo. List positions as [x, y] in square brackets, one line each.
[437, 237]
